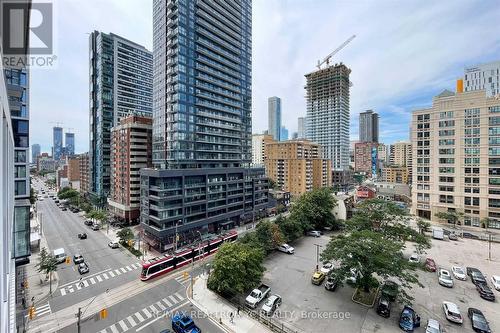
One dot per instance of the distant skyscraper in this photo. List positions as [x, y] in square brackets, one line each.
[295, 136]
[57, 143]
[484, 76]
[121, 84]
[35, 151]
[274, 117]
[283, 133]
[301, 129]
[69, 142]
[368, 126]
[328, 112]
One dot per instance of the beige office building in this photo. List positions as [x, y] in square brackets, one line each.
[259, 142]
[297, 167]
[456, 157]
[402, 153]
[395, 174]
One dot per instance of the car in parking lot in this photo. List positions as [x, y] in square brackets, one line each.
[478, 321]
[409, 320]
[458, 273]
[452, 312]
[384, 307]
[430, 265]
[285, 248]
[95, 227]
[314, 233]
[271, 304]
[331, 283]
[88, 222]
[78, 259]
[444, 278]
[433, 326]
[326, 268]
[82, 236]
[470, 235]
[64, 209]
[485, 292]
[477, 278]
[83, 268]
[495, 280]
[317, 278]
[113, 244]
[414, 258]
[453, 236]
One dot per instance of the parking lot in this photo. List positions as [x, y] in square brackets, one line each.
[311, 308]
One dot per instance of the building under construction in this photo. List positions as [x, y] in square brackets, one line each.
[327, 93]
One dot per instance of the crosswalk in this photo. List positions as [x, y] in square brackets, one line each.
[152, 311]
[183, 279]
[98, 278]
[42, 310]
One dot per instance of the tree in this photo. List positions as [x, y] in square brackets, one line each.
[272, 184]
[47, 263]
[423, 225]
[236, 267]
[453, 217]
[269, 235]
[68, 193]
[314, 209]
[32, 196]
[290, 228]
[98, 215]
[125, 235]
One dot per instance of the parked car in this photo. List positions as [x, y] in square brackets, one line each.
[472, 269]
[444, 278]
[331, 283]
[64, 209]
[354, 276]
[113, 244]
[433, 326]
[83, 268]
[453, 237]
[495, 280]
[82, 236]
[78, 259]
[314, 233]
[478, 278]
[88, 222]
[271, 304]
[409, 320]
[390, 290]
[286, 248]
[95, 227]
[257, 295]
[326, 268]
[459, 273]
[469, 235]
[414, 258]
[485, 292]
[384, 307]
[430, 265]
[478, 321]
[452, 312]
[182, 323]
[317, 278]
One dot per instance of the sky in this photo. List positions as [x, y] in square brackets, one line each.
[404, 53]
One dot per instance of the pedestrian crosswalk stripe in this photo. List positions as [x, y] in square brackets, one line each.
[63, 291]
[99, 278]
[92, 280]
[41, 310]
[113, 329]
[161, 306]
[138, 315]
[174, 300]
[78, 286]
[179, 296]
[167, 302]
[153, 309]
[105, 276]
[123, 270]
[134, 266]
[111, 273]
[128, 268]
[131, 321]
[117, 272]
[86, 283]
[146, 312]
[123, 325]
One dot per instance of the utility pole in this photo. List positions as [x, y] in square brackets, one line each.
[176, 235]
[318, 246]
[78, 315]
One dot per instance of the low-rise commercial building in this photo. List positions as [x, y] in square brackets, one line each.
[396, 174]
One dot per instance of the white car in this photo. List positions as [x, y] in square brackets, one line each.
[286, 248]
[444, 278]
[271, 304]
[459, 273]
[414, 258]
[327, 268]
[452, 312]
[495, 280]
[433, 326]
[113, 244]
[314, 233]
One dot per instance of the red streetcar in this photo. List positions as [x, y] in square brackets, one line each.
[162, 265]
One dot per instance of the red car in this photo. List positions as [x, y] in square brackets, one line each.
[430, 265]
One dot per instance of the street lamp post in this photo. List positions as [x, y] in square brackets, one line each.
[318, 246]
[176, 235]
[80, 314]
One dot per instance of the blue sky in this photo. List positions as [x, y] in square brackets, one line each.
[405, 52]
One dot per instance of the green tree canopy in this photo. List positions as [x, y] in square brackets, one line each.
[68, 193]
[454, 217]
[290, 228]
[314, 210]
[236, 268]
[125, 235]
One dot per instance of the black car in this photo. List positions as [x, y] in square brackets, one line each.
[478, 321]
[472, 269]
[469, 235]
[88, 222]
[384, 307]
[478, 278]
[83, 268]
[82, 236]
[64, 209]
[485, 292]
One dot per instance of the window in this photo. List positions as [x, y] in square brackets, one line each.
[446, 132]
[20, 156]
[495, 140]
[472, 141]
[448, 151]
[495, 191]
[447, 123]
[472, 112]
[446, 198]
[471, 151]
[494, 120]
[472, 131]
[494, 151]
[444, 179]
[446, 170]
[495, 108]
[471, 201]
[20, 187]
[447, 160]
[446, 188]
[471, 160]
[446, 142]
[471, 170]
[494, 131]
[471, 121]
[20, 171]
[494, 203]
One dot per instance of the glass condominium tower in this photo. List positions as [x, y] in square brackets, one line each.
[202, 83]
[120, 79]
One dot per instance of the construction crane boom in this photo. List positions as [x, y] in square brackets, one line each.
[328, 57]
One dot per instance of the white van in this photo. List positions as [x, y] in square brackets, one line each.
[60, 255]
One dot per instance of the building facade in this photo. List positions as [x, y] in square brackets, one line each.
[69, 141]
[202, 122]
[395, 174]
[483, 77]
[456, 149]
[368, 126]
[274, 117]
[259, 142]
[402, 153]
[366, 158]
[35, 151]
[297, 167]
[283, 133]
[120, 85]
[45, 162]
[131, 150]
[57, 143]
[384, 154]
[327, 94]
[301, 128]
[84, 167]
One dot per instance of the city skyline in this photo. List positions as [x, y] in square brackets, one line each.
[282, 74]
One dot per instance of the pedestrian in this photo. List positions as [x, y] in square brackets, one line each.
[238, 311]
[231, 316]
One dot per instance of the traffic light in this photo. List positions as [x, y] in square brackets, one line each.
[68, 260]
[31, 312]
[103, 314]
[185, 274]
[129, 242]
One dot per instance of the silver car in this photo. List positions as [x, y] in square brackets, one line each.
[271, 304]
[444, 278]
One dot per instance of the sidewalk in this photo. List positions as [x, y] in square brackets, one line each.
[219, 310]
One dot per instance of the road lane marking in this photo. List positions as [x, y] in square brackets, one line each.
[92, 280]
[105, 276]
[85, 283]
[139, 317]
[160, 317]
[179, 296]
[113, 329]
[173, 299]
[153, 309]
[123, 270]
[69, 283]
[123, 325]
[111, 273]
[146, 312]
[128, 268]
[63, 292]
[131, 321]
[99, 278]
[118, 272]
[167, 302]
[160, 305]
